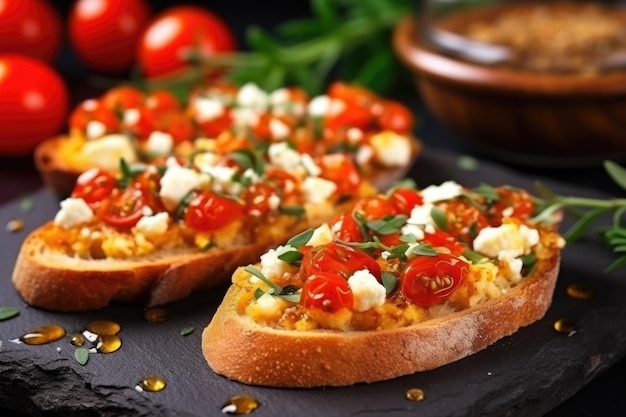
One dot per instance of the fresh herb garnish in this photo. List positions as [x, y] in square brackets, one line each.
[288, 293]
[390, 281]
[588, 211]
[387, 225]
[8, 313]
[301, 238]
[439, 218]
[27, 203]
[186, 331]
[81, 355]
[129, 172]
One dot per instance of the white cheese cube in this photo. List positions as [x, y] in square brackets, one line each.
[391, 149]
[153, 224]
[251, 96]
[107, 151]
[278, 129]
[207, 109]
[317, 190]
[176, 183]
[73, 211]
[271, 266]
[506, 242]
[160, 143]
[446, 191]
[367, 291]
[321, 236]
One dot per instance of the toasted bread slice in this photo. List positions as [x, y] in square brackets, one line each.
[350, 311]
[239, 348]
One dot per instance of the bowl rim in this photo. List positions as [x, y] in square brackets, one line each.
[425, 61]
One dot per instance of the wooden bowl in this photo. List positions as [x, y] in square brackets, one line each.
[516, 115]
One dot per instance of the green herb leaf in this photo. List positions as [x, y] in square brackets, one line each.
[390, 281]
[292, 210]
[439, 217]
[387, 225]
[8, 313]
[27, 203]
[301, 238]
[616, 172]
[254, 271]
[424, 250]
[185, 331]
[184, 202]
[488, 192]
[81, 355]
[291, 257]
[399, 252]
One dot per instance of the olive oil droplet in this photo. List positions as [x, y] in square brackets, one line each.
[564, 326]
[44, 334]
[103, 327]
[15, 225]
[240, 404]
[414, 394]
[108, 343]
[155, 315]
[77, 339]
[580, 291]
[152, 383]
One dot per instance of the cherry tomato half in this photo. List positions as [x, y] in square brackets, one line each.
[339, 259]
[404, 199]
[94, 186]
[30, 27]
[326, 291]
[396, 117]
[429, 280]
[177, 32]
[104, 33]
[123, 208]
[34, 103]
[209, 211]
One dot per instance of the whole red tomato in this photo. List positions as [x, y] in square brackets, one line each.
[104, 33]
[30, 27]
[179, 31]
[34, 102]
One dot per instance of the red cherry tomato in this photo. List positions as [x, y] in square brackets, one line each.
[512, 203]
[341, 170]
[429, 280]
[104, 33]
[123, 208]
[177, 32]
[346, 229]
[339, 259]
[93, 110]
[396, 117]
[30, 27]
[94, 186]
[258, 199]
[123, 97]
[404, 199]
[162, 101]
[209, 211]
[326, 291]
[439, 238]
[34, 103]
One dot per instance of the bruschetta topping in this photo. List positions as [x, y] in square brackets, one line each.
[398, 259]
[128, 123]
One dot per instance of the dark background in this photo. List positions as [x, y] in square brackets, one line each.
[605, 396]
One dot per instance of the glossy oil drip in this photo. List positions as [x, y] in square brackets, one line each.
[414, 394]
[579, 291]
[155, 315]
[240, 404]
[44, 334]
[152, 383]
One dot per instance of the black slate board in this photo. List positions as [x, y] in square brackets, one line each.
[526, 374]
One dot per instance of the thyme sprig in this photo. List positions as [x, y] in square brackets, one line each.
[588, 211]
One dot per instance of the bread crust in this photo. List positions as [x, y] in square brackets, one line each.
[240, 349]
[62, 283]
[57, 172]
